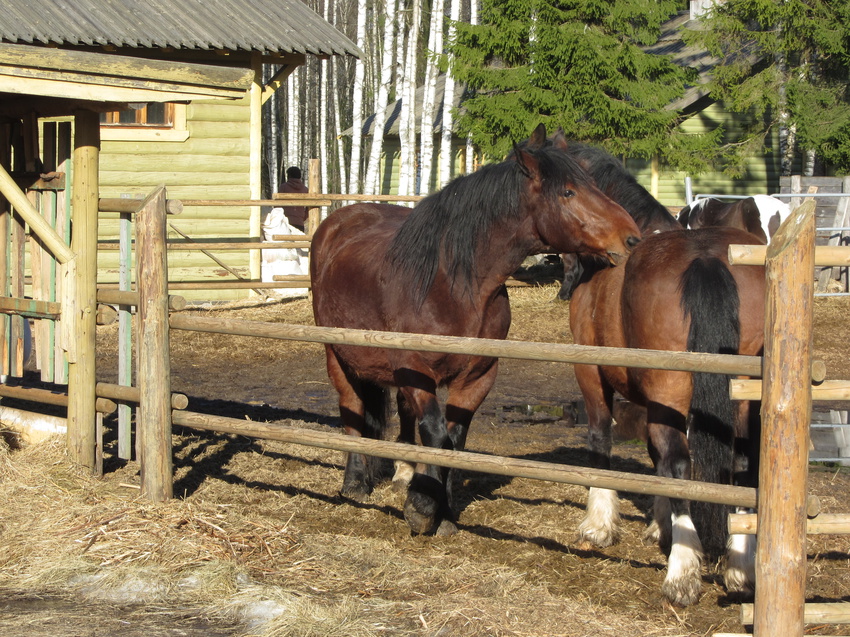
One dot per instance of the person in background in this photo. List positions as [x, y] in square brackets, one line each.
[296, 215]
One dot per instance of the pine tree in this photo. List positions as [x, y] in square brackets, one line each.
[577, 64]
[787, 62]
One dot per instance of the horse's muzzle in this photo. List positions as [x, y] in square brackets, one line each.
[618, 257]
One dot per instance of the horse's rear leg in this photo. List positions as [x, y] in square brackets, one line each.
[601, 524]
[739, 572]
[683, 581]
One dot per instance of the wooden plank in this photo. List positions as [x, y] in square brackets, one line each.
[755, 255]
[498, 465]
[124, 66]
[822, 524]
[30, 308]
[553, 352]
[812, 613]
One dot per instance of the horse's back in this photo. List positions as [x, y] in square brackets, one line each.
[347, 260]
[652, 286]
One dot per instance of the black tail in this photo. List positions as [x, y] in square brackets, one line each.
[710, 298]
[376, 404]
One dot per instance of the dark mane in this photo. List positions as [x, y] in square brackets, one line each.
[450, 224]
[616, 182]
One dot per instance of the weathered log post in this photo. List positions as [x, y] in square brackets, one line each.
[82, 314]
[786, 408]
[154, 371]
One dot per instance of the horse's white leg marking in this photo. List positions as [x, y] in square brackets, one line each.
[740, 573]
[683, 582]
[601, 524]
[403, 474]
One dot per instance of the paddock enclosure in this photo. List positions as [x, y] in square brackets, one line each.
[535, 558]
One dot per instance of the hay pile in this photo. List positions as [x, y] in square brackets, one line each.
[257, 561]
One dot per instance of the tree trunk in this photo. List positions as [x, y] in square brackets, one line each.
[470, 147]
[426, 125]
[357, 102]
[373, 171]
[407, 121]
[448, 103]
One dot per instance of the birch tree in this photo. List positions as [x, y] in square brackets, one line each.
[324, 67]
[385, 80]
[429, 106]
[357, 102]
[407, 120]
[448, 106]
[293, 137]
[469, 156]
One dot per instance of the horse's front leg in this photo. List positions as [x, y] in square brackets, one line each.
[404, 470]
[601, 524]
[464, 398]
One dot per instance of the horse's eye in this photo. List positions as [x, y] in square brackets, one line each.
[569, 193]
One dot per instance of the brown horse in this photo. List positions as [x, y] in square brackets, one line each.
[440, 268]
[614, 180]
[760, 215]
[676, 292]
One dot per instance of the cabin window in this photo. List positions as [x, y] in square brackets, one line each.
[155, 121]
[155, 114]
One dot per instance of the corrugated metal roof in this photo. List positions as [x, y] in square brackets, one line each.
[268, 26]
[670, 43]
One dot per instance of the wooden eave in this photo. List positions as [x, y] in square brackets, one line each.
[75, 76]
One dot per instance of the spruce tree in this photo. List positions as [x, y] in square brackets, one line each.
[786, 63]
[580, 65]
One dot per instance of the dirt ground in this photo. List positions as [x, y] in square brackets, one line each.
[259, 541]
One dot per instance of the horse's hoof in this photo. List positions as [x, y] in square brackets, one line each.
[596, 537]
[446, 528]
[418, 522]
[355, 491]
[683, 591]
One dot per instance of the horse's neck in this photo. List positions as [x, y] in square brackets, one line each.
[499, 258]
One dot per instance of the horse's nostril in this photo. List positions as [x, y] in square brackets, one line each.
[632, 241]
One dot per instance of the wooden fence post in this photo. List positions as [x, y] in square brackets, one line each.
[786, 407]
[313, 179]
[154, 371]
[83, 312]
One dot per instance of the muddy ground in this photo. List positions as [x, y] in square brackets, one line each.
[290, 556]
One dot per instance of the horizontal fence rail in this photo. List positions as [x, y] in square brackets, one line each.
[525, 350]
[498, 465]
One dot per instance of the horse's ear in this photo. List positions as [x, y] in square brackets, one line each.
[522, 159]
[559, 139]
[538, 137]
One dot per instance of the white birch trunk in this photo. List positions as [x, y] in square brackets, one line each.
[324, 67]
[470, 147]
[293, 146]
[429, 107]
[371, 185]
[343, 173]
[357, 102]
[407, 120]
[448, 103]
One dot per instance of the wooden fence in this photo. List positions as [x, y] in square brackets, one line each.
[786, 368]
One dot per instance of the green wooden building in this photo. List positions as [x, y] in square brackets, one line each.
[180, 102]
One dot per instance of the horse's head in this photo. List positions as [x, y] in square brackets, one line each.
[569, 212]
